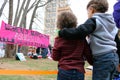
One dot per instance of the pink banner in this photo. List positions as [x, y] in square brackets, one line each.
[21, 36]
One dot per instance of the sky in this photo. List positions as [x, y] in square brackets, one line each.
[79, 8]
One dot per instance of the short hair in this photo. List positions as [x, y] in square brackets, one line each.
[99, 5]
[66, 20]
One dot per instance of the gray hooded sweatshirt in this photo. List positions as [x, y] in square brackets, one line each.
[102, 39]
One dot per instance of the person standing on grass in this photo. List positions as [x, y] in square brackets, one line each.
[116, 15]
[102, 31]
[70, 54]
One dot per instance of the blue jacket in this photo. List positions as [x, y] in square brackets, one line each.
[116, 13]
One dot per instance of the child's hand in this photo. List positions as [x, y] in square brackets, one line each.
[118, 68]
[57, 32]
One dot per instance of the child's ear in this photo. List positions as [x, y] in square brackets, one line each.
[92, 10]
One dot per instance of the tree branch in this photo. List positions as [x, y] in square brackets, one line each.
[19, 13]
[45, 3]
[15, 19]
[33, 5]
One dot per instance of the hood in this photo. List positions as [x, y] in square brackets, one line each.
[106, 19]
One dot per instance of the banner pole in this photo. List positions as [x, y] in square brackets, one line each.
[16, 48]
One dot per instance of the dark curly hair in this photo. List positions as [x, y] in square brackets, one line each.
[99, 5]
[66, 20]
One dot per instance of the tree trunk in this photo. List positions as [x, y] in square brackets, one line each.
[16, 13]
[24, 13]
[25, 22]
[10, 12]
[33, 15]
[10, 47]
[17, 17]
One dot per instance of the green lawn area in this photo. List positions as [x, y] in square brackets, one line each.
[30, 64]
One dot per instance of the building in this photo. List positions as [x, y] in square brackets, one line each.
[51, 12]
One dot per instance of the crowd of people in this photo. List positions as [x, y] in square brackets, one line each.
[102, 50]
[38, 52]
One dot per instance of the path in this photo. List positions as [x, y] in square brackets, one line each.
[32, 72]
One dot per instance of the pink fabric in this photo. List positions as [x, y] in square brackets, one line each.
[21, 36]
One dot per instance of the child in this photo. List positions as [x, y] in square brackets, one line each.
[102, 30]
[70, 54]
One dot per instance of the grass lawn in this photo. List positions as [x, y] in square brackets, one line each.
[30, 64]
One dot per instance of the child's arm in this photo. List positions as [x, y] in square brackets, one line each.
[80, 32]
[88, 53]
[56, 51]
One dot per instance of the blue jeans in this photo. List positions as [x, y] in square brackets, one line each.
[69, 75]
[104, 66]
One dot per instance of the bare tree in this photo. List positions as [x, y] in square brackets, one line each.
[21, 14]
[3, 5]
[34, 11]
[18, 12]
[24, 13]
[38, 5]
[10, 12]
